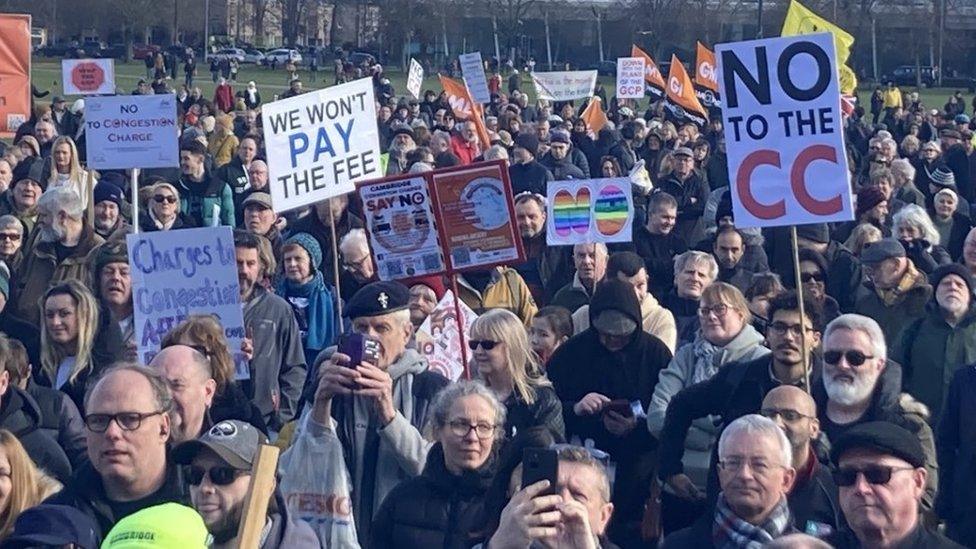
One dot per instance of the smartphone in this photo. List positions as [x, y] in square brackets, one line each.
[359, 348]
[540, 464]
[621, 406]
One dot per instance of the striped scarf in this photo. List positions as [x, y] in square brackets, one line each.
[731, 532]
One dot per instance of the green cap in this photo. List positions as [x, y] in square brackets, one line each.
[166, 526]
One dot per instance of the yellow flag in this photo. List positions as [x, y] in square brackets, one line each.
[848, 80]
[800, 20]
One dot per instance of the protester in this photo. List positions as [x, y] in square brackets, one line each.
[657, 243]
[693, 272]
[312, 299]
[11, 242]
[895, 291]
[20, 200]
[813, 277]
[590, 261]
[160, 526]
[691, 193]
[497, 288]
[261, 219]
[49, 525]
[954, 448]
[551, 327]
[24, 485]
[164, 210]
[425, 293]
[913, 227]
[545, 267]
[526, 173]
[113, 289]
[205, 198]
[66, 171]
[236, 172]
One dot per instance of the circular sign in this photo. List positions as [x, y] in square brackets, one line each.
[87, 77]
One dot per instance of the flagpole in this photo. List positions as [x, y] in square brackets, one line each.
[807, 360]
[759, 33]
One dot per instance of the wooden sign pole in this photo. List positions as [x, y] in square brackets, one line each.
[258, 494]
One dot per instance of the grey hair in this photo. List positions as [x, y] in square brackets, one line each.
[903, 170]
[859, 323]
[915, 215]
[496, 152]
[696, 258]
[445, 399]
[597, 246]
[355, 237]
[582, 456]
[160, 389]
[11, 222]
[755, 424]
[420, 167]
[62, 199]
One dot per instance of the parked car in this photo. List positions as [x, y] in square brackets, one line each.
[282, 56]
[254, 56]
[905, 75]
[956, 80]
[57, 50]
[91, 48]
[229, 53]
[142, 51]
[114, 51]
[607, 67]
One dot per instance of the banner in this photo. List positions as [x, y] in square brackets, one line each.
[630, 78]
[88, 76]
[682, 103]
[784, 131]
[179, 273]
[652, 75]
[589, 210]
[476, 216]
[706, 77]
[594, 117]
[473, 71]
[15, 71]
[132, 131]
[402, 231]
[565, 85]
[415, 78]
[801, 20]
[439, 341]
[465, 108]
[320, 143]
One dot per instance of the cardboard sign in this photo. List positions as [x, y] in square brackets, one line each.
[320, 143]
[438, 338]
[415, 78]
[589, 210]
[402, 231]
[179, 273]
[476, 216]
[88, 76]
[473, 70]
[784, 131]
[132, 131]
[564, 85]
[15, 75]
[630, 78]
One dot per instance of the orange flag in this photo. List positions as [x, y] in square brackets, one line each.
[594, 117]
[15, 58]
[652, 75]
[681, 95]
[705, 68]
[465, 108]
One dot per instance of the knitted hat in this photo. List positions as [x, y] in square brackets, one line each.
[867, 198]
[112, 251]
[943, 177]
[528, 141]
[310, 245]
[559, 136]
[724, 208]
[818, 232]
[30, 168]
[955, 269]
[434, 282]
[105, 190]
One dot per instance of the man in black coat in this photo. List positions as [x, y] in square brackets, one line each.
[605, 377]
[691, 192]
[235, 174]
[526, 173]
[657, 243]
[955, 445]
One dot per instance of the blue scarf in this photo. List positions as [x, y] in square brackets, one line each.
[321, 310]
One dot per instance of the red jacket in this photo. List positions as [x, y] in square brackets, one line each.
[465, 151]
[224, 98]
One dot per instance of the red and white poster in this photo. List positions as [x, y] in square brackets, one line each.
[438, 338]
[88, 76]
[15, 67]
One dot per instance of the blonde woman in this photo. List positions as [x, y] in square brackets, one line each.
[501, 356]
[861, 236]
[223, 143]
[163, 210]
[77, 339]
[22, 484]
[66, 170]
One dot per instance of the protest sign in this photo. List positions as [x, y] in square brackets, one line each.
[88, 76]
[320, 143]
[564, 85]
[465, 107]
[132, 131]
[706, 77]
[682, 104]
[402, 232]
[473, 71]
[179, 273]
[652, 75]
[438, 338]
[784, 132]
[589, 210]
[630, 77]
[15, 70]
[415, 78]
[475, 215]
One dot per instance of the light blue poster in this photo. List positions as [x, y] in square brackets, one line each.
[132, 131]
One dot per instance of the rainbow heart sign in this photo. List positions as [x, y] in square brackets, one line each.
[589, 210]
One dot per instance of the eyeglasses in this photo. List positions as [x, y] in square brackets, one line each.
[785, 413]
[461, 428]
[758, 467]
[485, 344]
[875, 474]
[780, 328]
[13, 237]
[169, 199]
[811, 277]
[720, 310]
[854, 358]
[221, 476]
[127, 421]
[354, 265]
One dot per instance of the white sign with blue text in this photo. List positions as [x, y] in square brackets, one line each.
[131, 131]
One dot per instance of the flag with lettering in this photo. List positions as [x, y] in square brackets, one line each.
[652, 75]
[682, 105]
[464, 107]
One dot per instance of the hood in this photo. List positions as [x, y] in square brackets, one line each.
[615, 295]
[19, 414]
[748, 337]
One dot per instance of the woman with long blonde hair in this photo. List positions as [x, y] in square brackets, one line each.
[66, 170]
[503, 358]
[22, 484]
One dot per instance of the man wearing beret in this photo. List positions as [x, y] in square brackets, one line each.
[881, 476]
[894, 292]
[377, 410]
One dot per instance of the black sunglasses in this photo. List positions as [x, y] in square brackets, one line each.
[811, 277]
[165, 198]
[876, 474]
[221, 476]
[485, 344]
[854, 358]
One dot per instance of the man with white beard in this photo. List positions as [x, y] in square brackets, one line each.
[401, 142]
[861, 385]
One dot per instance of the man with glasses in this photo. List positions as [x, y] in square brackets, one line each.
[882, 474]
[128, 428]
[860, 385]
[219, 473]
[356, 261]
[11, 242]
[756, 472]
[813, 497]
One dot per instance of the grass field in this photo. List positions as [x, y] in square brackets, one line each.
[47, 76]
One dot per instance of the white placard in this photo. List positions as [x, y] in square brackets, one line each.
[415, 78]
[784, 131]
[564, 85]
[88, 76]
[320, 143]
[439, 341]
[473, 69]
[630, 78]
[589, 210]
[132, 131]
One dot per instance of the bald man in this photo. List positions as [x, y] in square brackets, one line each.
[813, 498]
[189, 376]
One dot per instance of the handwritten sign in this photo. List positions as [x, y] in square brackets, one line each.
[415, 78]
[473, 70]
[564, 85]
[590, 210]
[88, 76]
[630, 77]
[438, 338]
[320, 143]
[132, 131]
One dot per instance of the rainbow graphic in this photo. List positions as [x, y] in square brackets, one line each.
[611, 210]
[571, 213]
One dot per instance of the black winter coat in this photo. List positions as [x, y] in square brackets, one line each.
[434, 510]
[545, 412]
[20, 415]
[955, 445]
[61, 420]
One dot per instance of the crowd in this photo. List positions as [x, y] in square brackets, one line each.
[680, 393]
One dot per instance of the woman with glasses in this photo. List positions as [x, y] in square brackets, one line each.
[813, 276]
[502, 357]
[163, 213]
[725, 336]
[439, 507]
